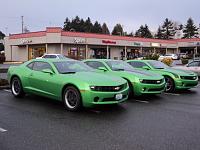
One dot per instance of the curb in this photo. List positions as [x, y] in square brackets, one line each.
[4, 87]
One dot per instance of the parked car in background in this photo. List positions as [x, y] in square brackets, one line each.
[70, 81]
[175, 78]
[172, 56]
[140, 82]
[182, 55]
[58, 56]
[192, 66]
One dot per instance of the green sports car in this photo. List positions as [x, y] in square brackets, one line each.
[70, 81]
[175, 79]
[140, 82]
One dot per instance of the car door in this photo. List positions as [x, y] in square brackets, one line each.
[42, 82]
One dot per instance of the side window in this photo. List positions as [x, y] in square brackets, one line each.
[49, 56]
[30, 65]
[95, 64]
[137, 64]
[39, 66]
[193, 64]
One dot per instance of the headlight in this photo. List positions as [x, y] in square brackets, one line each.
[92, 87]
[141, 80]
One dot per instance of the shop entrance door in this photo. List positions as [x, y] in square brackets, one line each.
[77, 53]
[36, 52]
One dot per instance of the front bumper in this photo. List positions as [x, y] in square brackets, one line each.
[141, 89]
[91, 98]
[185, 84]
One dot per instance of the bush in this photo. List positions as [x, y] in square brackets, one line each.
[151, 57]
[184, 61]
[167, 61]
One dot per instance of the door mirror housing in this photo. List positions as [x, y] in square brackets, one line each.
[49, 71]
[102, 68]
[146, 68]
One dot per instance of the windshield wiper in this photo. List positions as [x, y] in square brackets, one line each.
[70, 72]
[160, 68]
[119, 69]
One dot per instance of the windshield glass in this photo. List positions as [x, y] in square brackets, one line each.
[71, 67]
[61, 56]
[119, 66]
[157, 65]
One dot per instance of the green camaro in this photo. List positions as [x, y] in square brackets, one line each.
[70, 81]
[140, 82]
[175, 79]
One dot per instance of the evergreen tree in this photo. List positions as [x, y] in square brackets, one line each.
[105, 29]
[168, 30]
[144, 32]
[75, 24]
[118, 30]
[88, 25]
[2, 35]
[67, 25]
[97, 27]
[190, 30]
[159, 34]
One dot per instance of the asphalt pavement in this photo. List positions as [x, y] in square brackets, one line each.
[165, 122]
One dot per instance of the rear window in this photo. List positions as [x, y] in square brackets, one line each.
[50, 56]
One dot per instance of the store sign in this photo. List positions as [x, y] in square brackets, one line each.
[155, 44]
[108, 42]
[79, 40]
[137, 44]
[26, 41]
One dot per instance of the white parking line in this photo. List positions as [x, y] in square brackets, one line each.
[172, 94]
[7, 91]
[2, 130]
[142, 101]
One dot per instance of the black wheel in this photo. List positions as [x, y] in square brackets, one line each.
[72, 98]
[170, 87]
[131, 92]
[16, 87]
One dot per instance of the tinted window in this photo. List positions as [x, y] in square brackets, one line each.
[94, 64]
[119, 65]
[157, 65]
[71, 66]
[137, 64]
[50, 56]
[193, 64]
[30, 65]
[39, 66]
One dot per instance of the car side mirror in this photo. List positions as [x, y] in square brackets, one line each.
[102, 68]
[49, 71]
[146, 68]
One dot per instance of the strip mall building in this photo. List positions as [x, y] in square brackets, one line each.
[22, 47]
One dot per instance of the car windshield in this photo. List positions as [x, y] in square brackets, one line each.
[61, 56]
[157, 65]
[65, 67]
[119, 66]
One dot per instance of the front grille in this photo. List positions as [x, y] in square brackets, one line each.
[156, 89]
[189, 77]
[152, 81]
[108, 88]
[113, 98]
[190, 84]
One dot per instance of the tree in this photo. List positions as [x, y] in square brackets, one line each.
[168, 30]
[2, 35]
[105, 29]
[88, 25]
[159, 34]
[144, 32]
[96, 27]
[67, 25]
[190, 30]
[118, 30]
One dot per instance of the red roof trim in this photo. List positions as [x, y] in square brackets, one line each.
[97, 36]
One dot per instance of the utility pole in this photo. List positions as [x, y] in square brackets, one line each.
[22, 17]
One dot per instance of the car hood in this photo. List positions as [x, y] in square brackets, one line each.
[178, 71]
[140, 74]
[98, 79]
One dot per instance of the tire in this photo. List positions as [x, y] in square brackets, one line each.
[131, 92]
[16, 87]
[170, 86]
[72, 98]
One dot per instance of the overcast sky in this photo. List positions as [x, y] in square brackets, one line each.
[38, 14]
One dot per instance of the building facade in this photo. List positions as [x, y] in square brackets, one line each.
[76, 45]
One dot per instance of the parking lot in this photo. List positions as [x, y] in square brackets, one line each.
[168, 121]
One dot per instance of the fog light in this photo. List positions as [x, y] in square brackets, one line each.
[143, 89]
[96, 99]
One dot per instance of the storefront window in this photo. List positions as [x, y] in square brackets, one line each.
[98, 53]
[36, 52]
[76, 53]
